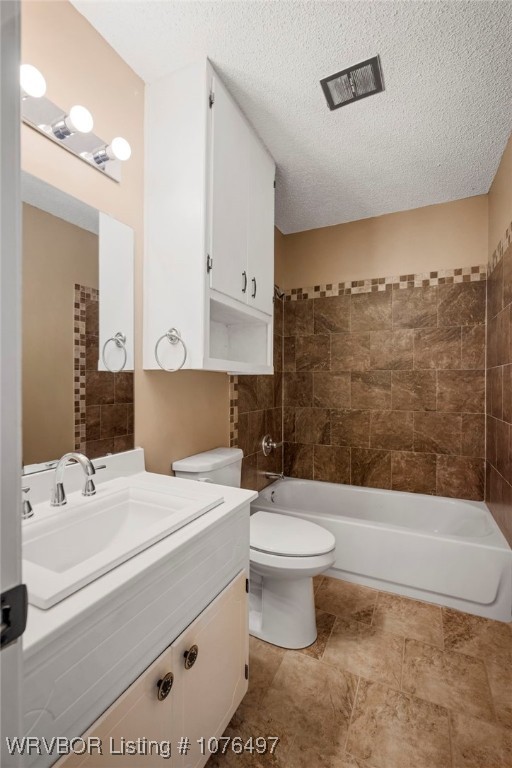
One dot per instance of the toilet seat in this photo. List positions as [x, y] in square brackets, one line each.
[284, 536]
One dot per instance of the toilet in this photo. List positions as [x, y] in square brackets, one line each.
[285, 553]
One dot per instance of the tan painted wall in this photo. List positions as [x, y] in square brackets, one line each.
[500, 199]
[56, 255]
[436, 237]
[175, 414]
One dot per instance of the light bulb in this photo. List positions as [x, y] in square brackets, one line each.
[79, 120]
[32, 82]
[120, 149]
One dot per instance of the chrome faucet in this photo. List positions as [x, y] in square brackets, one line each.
[274, 475]
[58, 497]
[26, 509]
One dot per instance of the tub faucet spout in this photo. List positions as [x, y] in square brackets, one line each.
[274, 475]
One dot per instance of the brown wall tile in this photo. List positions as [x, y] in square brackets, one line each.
[413, 390]
[332, 314]
[298, 460]
[331, 390]
[99, 387]
[313, 353]
[473, 435]
[370, 311]
[289, 424]
[460, 477]
[123, 443]
[331, 464]
[473, 346]
[350, 428]
[313, 425]
[93, 422]
[298, 389]
[289, 353]
[506, 393]
[462, 391]
[96, 448]
[462, 304]
[265, 391]
[395, 381]
[415, 308]
[437, 348]
[371, 469]
[371, 390]
[391, 430]
[250, 473]
[124, 387]
[298, 318]
[413, 472]
[495, 392]
[350, 352]
[114, 420]
[392, 349]
[247, 394]
[437, 432]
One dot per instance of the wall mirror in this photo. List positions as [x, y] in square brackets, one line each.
[78, 328]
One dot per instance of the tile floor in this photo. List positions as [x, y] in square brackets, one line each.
[389, 683]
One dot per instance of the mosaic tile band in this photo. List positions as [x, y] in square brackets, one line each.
[83, 294]
[395, 282]
[500, 249]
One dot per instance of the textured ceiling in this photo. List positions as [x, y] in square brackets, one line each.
[435, 134]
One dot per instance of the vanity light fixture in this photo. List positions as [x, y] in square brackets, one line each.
[32, 82]
[79, 120]
[72, 130]
[118, 149]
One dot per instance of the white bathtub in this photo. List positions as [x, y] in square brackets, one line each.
[441, 550]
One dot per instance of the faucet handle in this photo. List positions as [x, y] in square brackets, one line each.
[26, 509]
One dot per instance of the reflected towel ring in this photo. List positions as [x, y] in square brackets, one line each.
[173, 337]
[120, 341]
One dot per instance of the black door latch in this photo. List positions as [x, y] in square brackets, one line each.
[14, 605]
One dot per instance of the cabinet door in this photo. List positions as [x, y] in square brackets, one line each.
[228, 195]
[137, 714]
[210, 691]
[260, 230]
[116, 256]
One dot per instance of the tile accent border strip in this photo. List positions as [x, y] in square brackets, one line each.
[398, 282]
[500, 249]
[83, 294]
[233, 411]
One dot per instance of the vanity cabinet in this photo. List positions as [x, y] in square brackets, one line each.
[206, 665]
[209, 251]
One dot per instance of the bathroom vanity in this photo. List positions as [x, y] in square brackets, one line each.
[156, 647]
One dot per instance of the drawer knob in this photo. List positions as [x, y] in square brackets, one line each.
[191, 656]
[164, 686]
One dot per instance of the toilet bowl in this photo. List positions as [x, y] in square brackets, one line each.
[285, 553]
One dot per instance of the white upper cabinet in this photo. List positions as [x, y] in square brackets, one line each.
[209, 229]
[229, 198]
[260, 229]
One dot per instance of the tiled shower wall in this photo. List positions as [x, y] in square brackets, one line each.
[256, 410]
[499, 386]
[384, 383]
[103, 400]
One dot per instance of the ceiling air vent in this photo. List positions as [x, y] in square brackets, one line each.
[353, 84]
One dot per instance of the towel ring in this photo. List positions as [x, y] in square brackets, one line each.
[120, 341]
[173, 337]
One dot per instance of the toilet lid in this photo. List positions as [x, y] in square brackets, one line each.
[289, 536]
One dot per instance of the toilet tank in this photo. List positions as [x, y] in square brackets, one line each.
[221, 465]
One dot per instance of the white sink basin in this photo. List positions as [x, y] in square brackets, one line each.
[66, 548]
